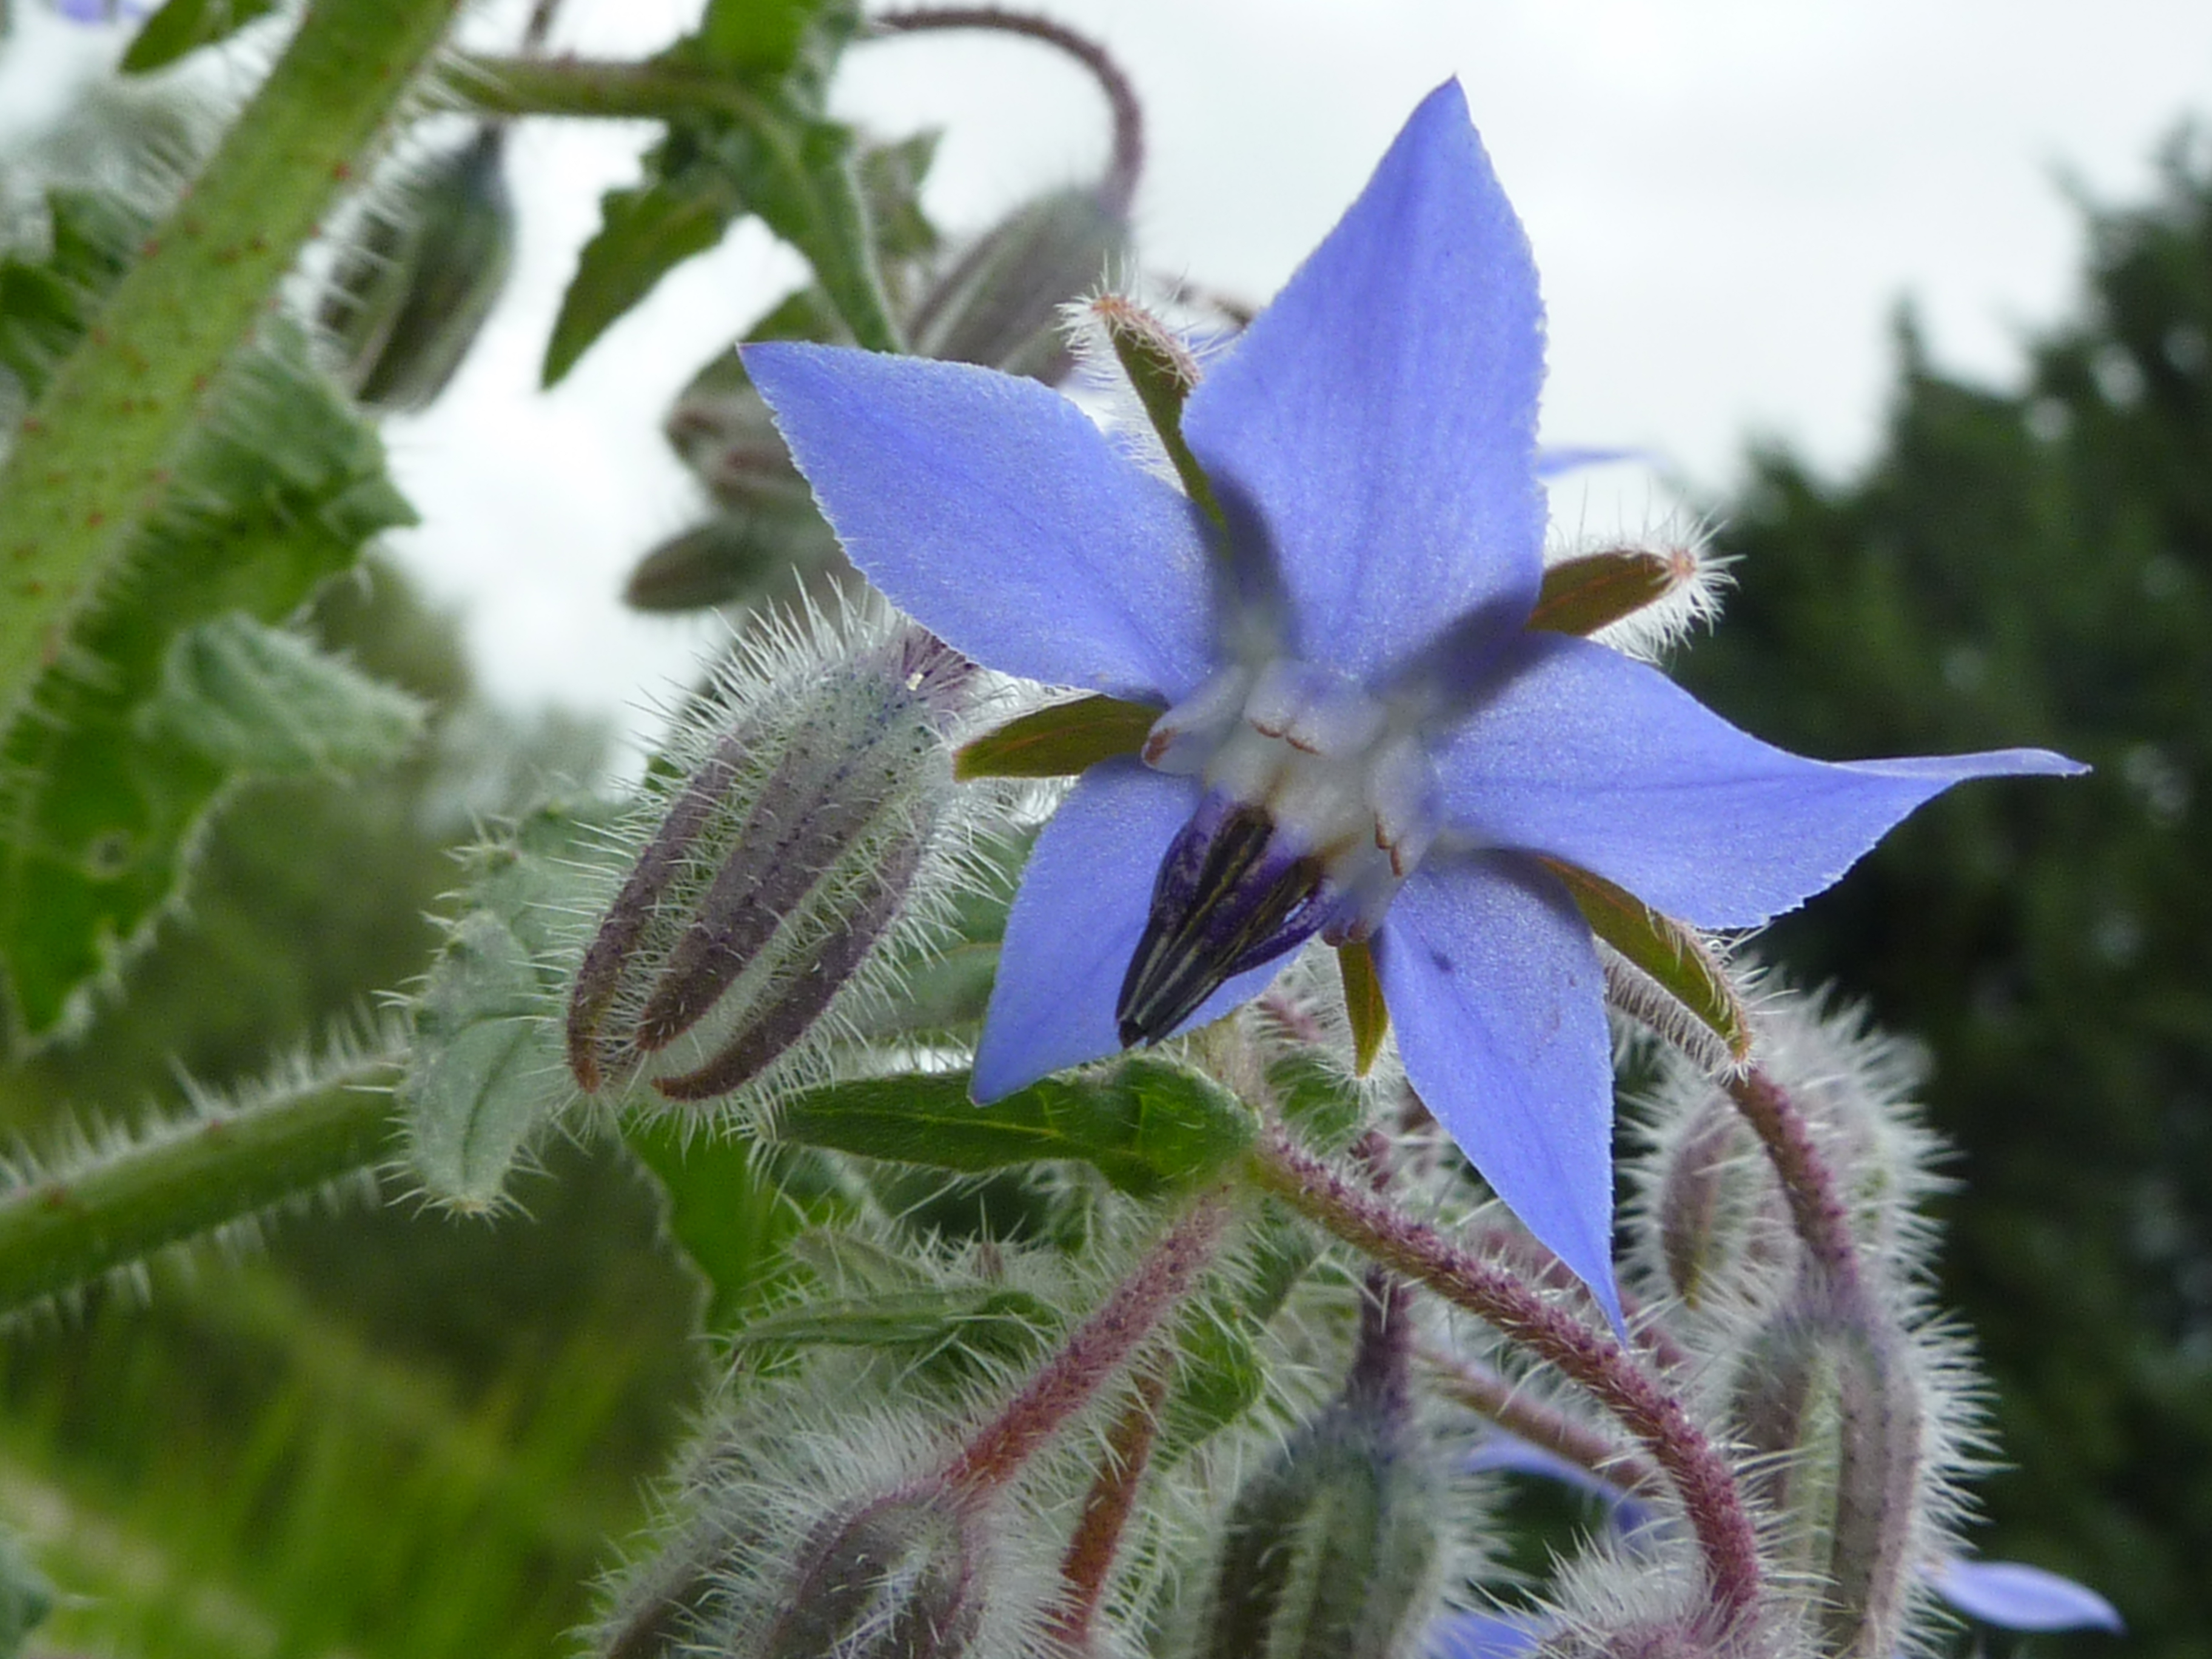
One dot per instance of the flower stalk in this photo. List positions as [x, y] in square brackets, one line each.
[1091, 1358]
[1689, 1461]
[1088, 1562]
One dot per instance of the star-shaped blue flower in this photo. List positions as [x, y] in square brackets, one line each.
[1362, 739]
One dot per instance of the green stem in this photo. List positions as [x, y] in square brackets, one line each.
[62, 1231]
[92, 458]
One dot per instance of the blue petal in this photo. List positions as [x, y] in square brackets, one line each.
[1494, 987]
[991, 510]
[1379, 418]
[1075, 924]
[1583, 754]
[2020, 1597]
[1502, 1450]
[1486, 1635]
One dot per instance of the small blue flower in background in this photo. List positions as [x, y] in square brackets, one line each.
[1361, 739]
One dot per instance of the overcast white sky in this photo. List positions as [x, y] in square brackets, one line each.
[1728, 199]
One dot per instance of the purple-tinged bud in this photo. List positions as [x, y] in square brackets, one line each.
[1716, 1212]
[897, 1579]
[406, 302]
[812, 822]
[1828, 1405]
[999, 305]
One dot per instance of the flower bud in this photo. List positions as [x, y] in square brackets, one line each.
[407, 299]
[895, 1580]
[1828, 1405]
[721, 430]
[1338, 1545]
[1000, 304]
[733, 558]
[811, 822]
[1717, 1212]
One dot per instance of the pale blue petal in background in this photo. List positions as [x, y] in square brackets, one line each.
[2021, 1597]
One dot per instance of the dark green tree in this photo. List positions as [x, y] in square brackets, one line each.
[2034, 566]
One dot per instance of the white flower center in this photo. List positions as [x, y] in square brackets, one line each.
[1341, 775]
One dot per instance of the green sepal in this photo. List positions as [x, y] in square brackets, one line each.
[1161, 371]
[1582, 595]
[947, 1328]
[1671, 954]
[1057, 741]
[263, 700]
[185, 26]
[1216, 1378]
[1146, 1124]
[1363, 1003]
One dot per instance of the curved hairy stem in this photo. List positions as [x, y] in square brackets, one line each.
[1689, 1461]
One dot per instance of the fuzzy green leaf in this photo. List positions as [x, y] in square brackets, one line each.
[753, 37]
[183, 26]
[734, 1208]
[99, 805]
[1146, 1123]
[961, 1323]
[486, 1071]
[262, 700]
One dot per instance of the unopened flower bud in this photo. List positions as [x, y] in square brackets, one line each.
[407, 299]
[1000, 304]
[897, 1579]
[732, 558]
[1716, 1212]
[1829, 1407]
[807, 828]
[1337, 1546]
[721, 430]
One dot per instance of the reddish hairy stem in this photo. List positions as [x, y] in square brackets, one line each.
[1128, 162]
[1654, 1416]
[1816, 1206]
[1107, 1506]
[1498, 1397]
[1099, 1348]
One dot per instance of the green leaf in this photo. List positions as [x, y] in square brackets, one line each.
[25, 1597]
[645, 232]
[1671, 954]
[263, 700]
[1056, 742]
[946, 1327]
[183, 26]
[100, 809]
[1216, 1377]
[486, 1070]
[1146, 1124]
[753, 37]
[734, 1209]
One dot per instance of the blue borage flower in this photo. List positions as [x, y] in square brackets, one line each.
[1361, 738]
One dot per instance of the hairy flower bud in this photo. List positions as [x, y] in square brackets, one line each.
[1000, 302]
[812, 822]
[895, 1580]
[1338, 1545]
[1828, 1404]
[407, 299]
